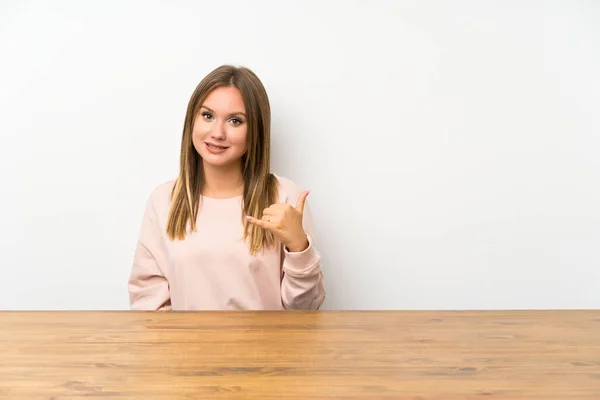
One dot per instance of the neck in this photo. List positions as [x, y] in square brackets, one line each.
[223, 182]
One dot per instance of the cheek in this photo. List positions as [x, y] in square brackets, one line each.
[239, 138]
[200, 129]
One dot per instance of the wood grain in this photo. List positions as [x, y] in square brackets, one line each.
[523, 355]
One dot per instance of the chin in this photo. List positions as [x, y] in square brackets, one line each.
[210, 159]
[218, 164]
[229, 157]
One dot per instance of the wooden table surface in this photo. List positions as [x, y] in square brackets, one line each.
[412, 355]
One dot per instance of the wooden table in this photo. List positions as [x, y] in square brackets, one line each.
[521, 355]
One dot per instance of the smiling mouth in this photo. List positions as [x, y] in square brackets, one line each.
[212, 146]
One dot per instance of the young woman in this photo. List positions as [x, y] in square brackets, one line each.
[227, 234]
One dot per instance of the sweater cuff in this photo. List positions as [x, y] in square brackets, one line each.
[302, 262]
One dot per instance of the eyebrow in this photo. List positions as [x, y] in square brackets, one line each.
[232, 114]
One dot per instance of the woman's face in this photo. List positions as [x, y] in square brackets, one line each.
[219, 131]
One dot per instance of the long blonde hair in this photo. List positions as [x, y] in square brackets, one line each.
[260, 186]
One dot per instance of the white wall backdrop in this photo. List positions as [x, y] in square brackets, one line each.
[452, 148]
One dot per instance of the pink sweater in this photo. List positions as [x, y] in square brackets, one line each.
[212, 268]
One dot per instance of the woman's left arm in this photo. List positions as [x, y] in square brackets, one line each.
[302, 284]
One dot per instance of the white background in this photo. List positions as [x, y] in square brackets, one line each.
[452, 149]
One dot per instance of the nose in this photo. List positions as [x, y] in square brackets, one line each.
[218, 131]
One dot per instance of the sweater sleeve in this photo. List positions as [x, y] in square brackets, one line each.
[148, 286]
[302, 284]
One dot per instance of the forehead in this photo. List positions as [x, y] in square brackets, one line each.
[225, 99]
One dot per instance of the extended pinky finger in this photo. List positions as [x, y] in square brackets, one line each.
[257, 222]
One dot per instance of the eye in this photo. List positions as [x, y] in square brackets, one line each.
[207, 116]
[236, 121]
